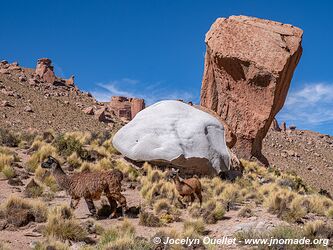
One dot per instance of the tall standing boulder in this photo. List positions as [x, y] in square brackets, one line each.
[44, 70]
[249, 64]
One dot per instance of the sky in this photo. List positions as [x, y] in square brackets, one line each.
[155, 49]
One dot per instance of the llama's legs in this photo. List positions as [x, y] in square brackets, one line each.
[192, 198]
[121, 200]
[199, 196]
[181, 202]
[90, 205]
[74, 203]
[113, 205]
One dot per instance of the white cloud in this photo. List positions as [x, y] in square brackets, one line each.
[310, 106]
[150, 92]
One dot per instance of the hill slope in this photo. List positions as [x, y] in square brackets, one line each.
[28, 104]
[308, 154]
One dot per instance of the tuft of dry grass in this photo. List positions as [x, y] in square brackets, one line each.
[5, 160]
[74, 160]
[62, 226]
[123, 237]
[245, 211]
[194, 228]
[19, 211]
[33, 189]
[51, 244]
[9, 172]
[318, 229]
[148, 219]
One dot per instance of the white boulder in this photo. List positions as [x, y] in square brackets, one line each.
[177, 133]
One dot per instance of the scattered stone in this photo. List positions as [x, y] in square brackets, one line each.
[292, 127]
[28, 109]
[15, 182]
[6, 104]
[70, 81]
[100, 114]
[89, 110]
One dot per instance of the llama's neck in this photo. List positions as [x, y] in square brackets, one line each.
[61, 178]
[178, 182]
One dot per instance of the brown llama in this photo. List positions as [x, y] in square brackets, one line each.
[89, 185]
[187, 187]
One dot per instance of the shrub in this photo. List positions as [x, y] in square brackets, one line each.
[67, 145]
[162, 205]
[245, 212]
[149, 219]
[5, 160]
[19, 211]
[9, 172]
[60, 225]
[8, 139]
[318, 229]
[51, 244]
[33, 189]
[280, 232]
[123, 237]
[74, 160]
[194, 227]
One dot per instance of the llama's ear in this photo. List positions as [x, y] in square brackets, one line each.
[173, 170]
[177, 170]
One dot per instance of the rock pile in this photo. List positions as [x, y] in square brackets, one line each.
[249, 64]
[126, 108]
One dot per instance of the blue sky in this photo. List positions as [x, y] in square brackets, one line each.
[155, 49]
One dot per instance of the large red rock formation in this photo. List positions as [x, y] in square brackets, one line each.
[249, 64]
[126, 108]
[44, 70]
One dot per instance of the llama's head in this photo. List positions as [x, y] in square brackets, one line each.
[50, 163]
[173, 173]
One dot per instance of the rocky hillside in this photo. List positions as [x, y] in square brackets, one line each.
[35, 99]
[306, 153]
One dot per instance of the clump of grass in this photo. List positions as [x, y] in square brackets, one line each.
[19, 211]
[122, 237]
[318, 229]
[245, 211]
[280, 232]
[62, 226]
[153, 189]
[194, 228]
[39, 156]
[5, 160]
[162, 205]
[74, 160]
[109, 147]
[33, 189]
[148, 219]
[27, 138]
[129, 172]
[8, 171]
[231, 194]
[319, 204]
[329, 213]
[211, 211]
[51, 244]
[8, 138]
[67, 145]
